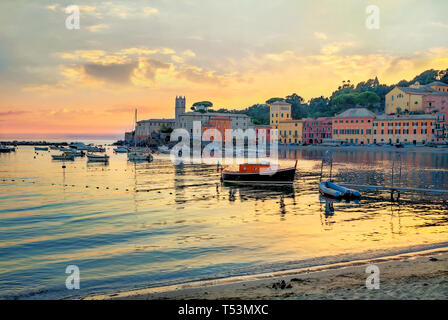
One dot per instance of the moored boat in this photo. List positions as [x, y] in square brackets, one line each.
[164, 149]
[64, 156]
[259, 174]
[97, 158]
[331, 189]
[121, 149]
[41, 148]
[95, 149]
[325, 190]
[5, 149]
[136, 155]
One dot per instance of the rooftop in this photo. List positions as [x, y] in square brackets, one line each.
[437, 83]
[156, 120]
[424, 89]
[215, 114]
[356, 113]
[407, 117]
[280, 103]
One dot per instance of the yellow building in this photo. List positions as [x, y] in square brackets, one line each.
[279, 111]
[290, 131]
[411, 98]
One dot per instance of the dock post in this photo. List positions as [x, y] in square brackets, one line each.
[321, 169]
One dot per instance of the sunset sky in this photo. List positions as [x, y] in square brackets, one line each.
[235, 53]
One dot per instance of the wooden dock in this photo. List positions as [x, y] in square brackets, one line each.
[393, 189]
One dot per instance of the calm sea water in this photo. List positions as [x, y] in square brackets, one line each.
[129, 226]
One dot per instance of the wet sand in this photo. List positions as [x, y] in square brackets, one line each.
[422, 275]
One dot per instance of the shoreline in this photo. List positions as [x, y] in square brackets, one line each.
[318, 147]
[425, 270]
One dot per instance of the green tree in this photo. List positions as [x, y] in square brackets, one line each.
[272, 100]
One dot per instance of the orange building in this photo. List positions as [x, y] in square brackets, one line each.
[220, 123]
[354, 126]
[416, 129]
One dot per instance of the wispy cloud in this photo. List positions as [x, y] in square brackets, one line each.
[147, 11]
[97, 27]
[320, 35]
[12, 113]
[439, 24]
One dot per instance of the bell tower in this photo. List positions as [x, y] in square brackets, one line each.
[179, 109]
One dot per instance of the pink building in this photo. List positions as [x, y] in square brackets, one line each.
[268, 132]
[314, 130]
[437, 103]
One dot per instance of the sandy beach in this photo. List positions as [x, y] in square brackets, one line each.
[422, 275]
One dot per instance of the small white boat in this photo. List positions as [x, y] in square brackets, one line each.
[64, 156]
[97, 158]
[5, 149]
[164, 149]
[77, 153]
[136, 155]
[78, 146]
[121, 150]
[41, 148]
[95, 149]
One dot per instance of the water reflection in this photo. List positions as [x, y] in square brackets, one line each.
[146, 224]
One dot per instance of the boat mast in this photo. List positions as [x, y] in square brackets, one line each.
[135, 128]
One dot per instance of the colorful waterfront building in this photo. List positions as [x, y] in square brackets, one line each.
[221, 124]
[416, 129]
[314, 130]
[145, 129]
[360, 126]
[416, 97]
[290, 131]
[259, 129]
[354, 126]
[279, 111]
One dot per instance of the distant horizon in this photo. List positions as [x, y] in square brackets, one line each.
[53, 137]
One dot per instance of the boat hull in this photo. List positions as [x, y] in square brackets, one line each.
[63, 158]
[325, 190]
[283, 176]
[333, 190]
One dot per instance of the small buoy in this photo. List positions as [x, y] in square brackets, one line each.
[63, 166]
[87, 186]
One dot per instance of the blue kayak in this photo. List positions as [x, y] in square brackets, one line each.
[346, 192]
[327, 191]
[336, 191]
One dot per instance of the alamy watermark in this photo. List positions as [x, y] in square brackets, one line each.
[73, 280]
[373, 280]
[373, 17]
[72, 21]
[211, 146]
